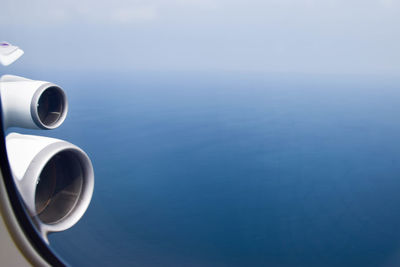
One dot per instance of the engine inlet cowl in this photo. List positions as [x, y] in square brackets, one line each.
[55, 179]
[32, 104]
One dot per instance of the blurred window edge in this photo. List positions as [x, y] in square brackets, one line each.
[20, 243]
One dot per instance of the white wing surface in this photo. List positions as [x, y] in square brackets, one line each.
[9, 53]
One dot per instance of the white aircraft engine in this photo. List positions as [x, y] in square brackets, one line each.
[55, 179]
[32, 104]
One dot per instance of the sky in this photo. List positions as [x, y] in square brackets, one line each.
[300, 36]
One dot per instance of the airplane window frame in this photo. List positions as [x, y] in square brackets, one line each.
[25, 223]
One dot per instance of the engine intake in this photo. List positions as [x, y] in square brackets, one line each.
[32, 104]
[55, 179]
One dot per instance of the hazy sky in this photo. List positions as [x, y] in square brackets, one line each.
[312, 36]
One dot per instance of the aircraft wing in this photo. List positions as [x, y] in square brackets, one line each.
[9, 53]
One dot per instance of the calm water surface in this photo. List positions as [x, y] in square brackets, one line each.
[236, 170]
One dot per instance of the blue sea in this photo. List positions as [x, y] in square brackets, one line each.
[235, 169]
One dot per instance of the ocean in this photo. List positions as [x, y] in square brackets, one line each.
[235, 169]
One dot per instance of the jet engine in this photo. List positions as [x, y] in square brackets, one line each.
[55, 178]
[32, 104]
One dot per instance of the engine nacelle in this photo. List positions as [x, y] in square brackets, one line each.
[55, 180]
[32, 104]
